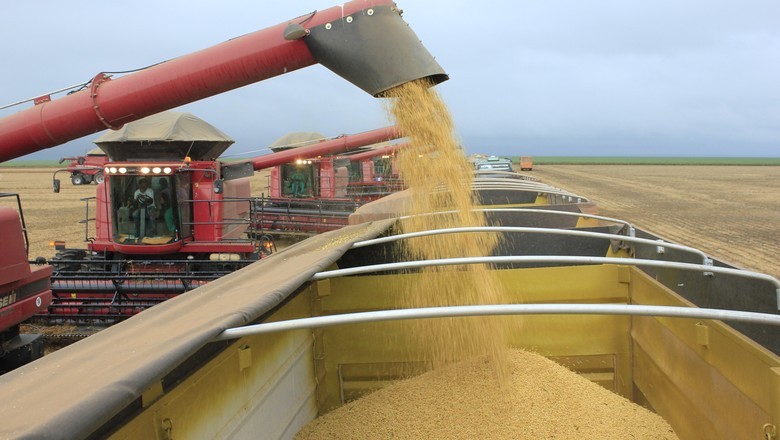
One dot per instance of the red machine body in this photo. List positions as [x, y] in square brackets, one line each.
[331, 190]
[377, 172]
[86, 169]
[24, 290]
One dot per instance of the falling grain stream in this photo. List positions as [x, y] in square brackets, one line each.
[496, 392]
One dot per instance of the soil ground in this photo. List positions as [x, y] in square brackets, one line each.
[729, 212]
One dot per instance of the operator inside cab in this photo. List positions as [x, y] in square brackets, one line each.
[150, 209]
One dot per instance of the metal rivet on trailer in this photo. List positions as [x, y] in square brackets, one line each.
[349, 19]
[370, 12]
[328, 25]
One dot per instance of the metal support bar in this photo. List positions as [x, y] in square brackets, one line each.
[45, 94]
[502, 309]
[555, 259]
[631, 228]
[530, 230]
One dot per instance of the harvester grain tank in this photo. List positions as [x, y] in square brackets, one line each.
[360, 40]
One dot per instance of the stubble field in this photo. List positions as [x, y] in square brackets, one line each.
[730, 212]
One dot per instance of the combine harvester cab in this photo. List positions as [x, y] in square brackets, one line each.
[263, 351]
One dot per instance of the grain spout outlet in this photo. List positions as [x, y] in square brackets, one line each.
[373, 49]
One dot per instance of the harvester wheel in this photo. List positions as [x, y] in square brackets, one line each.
[99, 177]
[77, 179]
[72, 256]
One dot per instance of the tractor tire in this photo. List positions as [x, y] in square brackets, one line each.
[99, 178]
[77, 179]
[72, 256]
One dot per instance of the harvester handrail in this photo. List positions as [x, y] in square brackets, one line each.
[500, 309]
[631, 228]
[547, 259]
[21, 218]
[532, 230]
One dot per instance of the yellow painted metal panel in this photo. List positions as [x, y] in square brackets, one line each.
[273, 394]
[743, 362]
[564, 335]
[691, 395]
[720, 389]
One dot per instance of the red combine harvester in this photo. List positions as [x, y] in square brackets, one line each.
[87, 169]
[375, 173]
[315, 194]
[134, 261]
[24, 290]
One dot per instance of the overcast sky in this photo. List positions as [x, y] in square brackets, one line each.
[543, 77]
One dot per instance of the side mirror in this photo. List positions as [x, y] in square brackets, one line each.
[219, 186]
[56, 185]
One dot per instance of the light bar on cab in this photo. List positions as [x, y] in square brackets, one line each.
[143, 169]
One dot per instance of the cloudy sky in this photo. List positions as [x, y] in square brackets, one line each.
[539, 77]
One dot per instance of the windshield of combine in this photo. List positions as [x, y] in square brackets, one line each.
[299, 180]
[150, 209]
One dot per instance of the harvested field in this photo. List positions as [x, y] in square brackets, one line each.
[729, 212]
